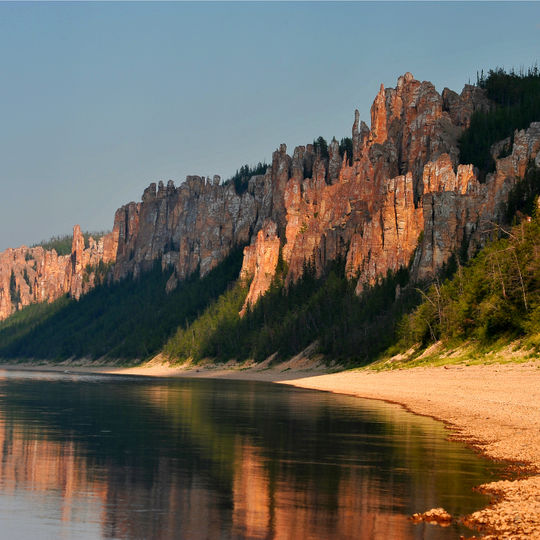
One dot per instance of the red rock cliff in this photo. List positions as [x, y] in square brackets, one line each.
[401, 184]
[30, 275]
[404, 180]
[191, 226]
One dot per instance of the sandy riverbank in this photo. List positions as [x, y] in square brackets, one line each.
[495, 408]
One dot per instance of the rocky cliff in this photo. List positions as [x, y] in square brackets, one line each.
[189, 227]
[30, 275]
[366, 207]
[401, 197]
[404, 196]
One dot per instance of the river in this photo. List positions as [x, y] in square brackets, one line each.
[92, 456]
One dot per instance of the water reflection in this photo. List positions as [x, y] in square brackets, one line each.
[111, 457]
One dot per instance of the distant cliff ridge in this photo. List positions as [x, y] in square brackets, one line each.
[30, 275]
[401, 196]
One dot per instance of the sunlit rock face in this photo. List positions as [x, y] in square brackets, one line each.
[470, 212]
[260, 261]
[401, 184]
[366, 208]
[404, 180]
[30, 275]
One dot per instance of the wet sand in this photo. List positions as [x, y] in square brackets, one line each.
[494, 408]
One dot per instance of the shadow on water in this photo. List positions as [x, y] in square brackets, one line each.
[118, 457]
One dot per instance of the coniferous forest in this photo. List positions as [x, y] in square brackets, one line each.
[516, 98]
[129, 319]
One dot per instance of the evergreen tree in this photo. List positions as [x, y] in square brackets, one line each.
[241, 178]
[14, 291]
[320, 146]
[516, 98]
[346, 147]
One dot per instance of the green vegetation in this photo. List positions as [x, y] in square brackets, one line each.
[523, 195]
[22, 322]
[62, 243]
[320, 146]
[496, 296]
[346, 147]
[27, 279]
[131, 319]
[517, 104]
[476, 309]
[212, 335]
[241, 178]
[14, 291]
[288, 319]
[100, 271]
[491, 299]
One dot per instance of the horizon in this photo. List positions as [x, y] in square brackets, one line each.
[101, 100]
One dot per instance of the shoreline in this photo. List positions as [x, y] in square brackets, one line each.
[493, 408]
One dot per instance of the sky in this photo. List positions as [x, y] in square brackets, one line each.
[99, 99]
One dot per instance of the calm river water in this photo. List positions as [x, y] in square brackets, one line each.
[88, 457]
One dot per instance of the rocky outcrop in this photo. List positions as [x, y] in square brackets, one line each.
[437, 516]
[403, 180]
[469, 214]
[80, 274]
[404, 185]
[321, 205]
[389, 238]
[189, 227]
[402, 196]
[30, 275]
[260, 261]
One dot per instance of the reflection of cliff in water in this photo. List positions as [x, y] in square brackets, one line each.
[221, 459]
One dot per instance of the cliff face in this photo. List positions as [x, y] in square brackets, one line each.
[369, 209]
[472, 210]
[404, 180]
[30, 275]
[366, 207]
[401, 184]
[189, 227]
[260, 261]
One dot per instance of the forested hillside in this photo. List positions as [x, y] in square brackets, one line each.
[497, 294]
[286, 320]
[130, 319]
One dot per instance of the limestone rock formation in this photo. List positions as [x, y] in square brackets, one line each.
[405, 180]
[402, 184]
[371, 212]
[190, 227]
[80, 272]
[30, 275]
[260, 261]
[471, 211]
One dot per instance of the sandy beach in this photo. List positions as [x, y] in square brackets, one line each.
[494, 408]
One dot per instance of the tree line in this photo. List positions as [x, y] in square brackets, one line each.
[62, 243]
[516, 98]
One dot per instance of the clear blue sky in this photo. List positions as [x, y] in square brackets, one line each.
[97, 100]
